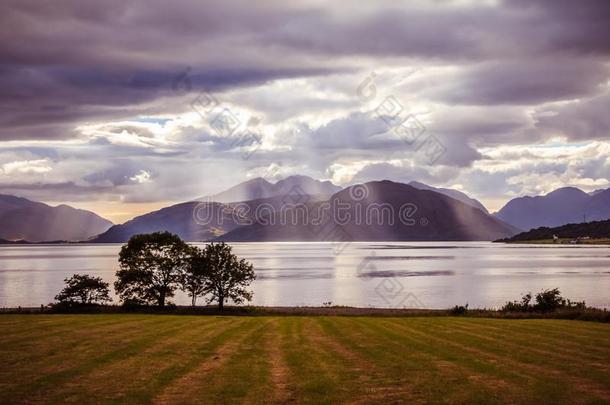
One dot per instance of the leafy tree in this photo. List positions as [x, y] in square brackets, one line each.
[194, 277]
[85, 290]
[150, 268]
[227, 276]
[549, 300]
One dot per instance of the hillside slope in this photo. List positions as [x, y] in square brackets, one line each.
[23, 219]
[380, 211]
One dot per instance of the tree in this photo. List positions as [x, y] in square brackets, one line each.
[85, 290]
[227, 276]
[549, 300]
[194, 277]
[150, 268]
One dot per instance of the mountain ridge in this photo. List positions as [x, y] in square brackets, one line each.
[439, 217]
[34, 221]
[559, 207]
[450, 192]
[258, 188]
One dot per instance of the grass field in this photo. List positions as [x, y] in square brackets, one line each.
[204, 359]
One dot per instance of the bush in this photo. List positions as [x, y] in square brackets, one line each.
[549, 301]
[459, 310]
[546, 301]
[516, 306]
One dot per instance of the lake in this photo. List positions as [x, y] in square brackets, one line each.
[362, 274]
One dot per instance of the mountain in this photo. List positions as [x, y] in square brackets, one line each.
[260, 188]
[562, 206]
[595, 229]
[458, 195]
[376, 211]
[23, 219]
[192, 221]
[221, 213]
[200, 221]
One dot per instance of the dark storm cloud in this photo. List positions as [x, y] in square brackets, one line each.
[120, 173]
[522, 82]
[67, 62]
[578, 120]
[67, 190]
[566, 26]
[59, 97]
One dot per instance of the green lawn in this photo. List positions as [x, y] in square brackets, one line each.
[198, 359]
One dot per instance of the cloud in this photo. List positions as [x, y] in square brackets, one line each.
[528, 81]
[97, 97]
[142, 177]
[26, 167]
[578, 120]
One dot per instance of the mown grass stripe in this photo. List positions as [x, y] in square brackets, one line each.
[44, 356]
[432, 373]
[140, 371]
[172, 387]
[551, 347]
[560, 330]
[526, 356]
[195, 359]
[243, 374]
[545, 374]
[377, 383]
[76, 321]
[44, 384]
[318, 374]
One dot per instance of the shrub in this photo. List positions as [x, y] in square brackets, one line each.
[459, 310]
[546, 301]
[516, 306]
[549, 301]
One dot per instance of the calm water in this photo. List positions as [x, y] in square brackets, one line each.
[421, 274]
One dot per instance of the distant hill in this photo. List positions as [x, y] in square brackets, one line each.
[260, 188]
[437, 217]
[595, 229]
[197, 221]
[23, 219]
[562, 206]
[12, 242]
[458, 195]
[183, 219]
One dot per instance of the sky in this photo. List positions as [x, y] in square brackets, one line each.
[123, 107]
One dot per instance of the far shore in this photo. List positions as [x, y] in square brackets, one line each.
[561, 241]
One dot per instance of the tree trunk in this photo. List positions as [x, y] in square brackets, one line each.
[194, 300]
[162, 300]
[221, 302]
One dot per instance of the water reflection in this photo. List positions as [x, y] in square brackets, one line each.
[433, 274]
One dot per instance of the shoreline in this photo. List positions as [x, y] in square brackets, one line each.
[560, 242]
[588, 314]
